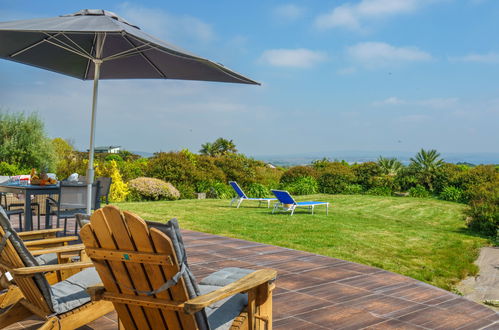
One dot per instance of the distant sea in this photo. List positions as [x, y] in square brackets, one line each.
[367, 156]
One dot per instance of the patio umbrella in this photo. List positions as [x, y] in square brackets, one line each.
[98, 44]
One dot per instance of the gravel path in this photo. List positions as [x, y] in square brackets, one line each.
[485, 286]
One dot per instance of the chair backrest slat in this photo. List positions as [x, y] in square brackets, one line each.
[238, 189]
[284, 197]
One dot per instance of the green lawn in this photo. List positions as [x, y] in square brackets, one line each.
[421, 238]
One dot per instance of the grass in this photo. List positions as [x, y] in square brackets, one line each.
[422, 238]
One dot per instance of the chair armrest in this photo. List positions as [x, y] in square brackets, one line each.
[36, 234]
[59, 249]
[246, 283]
[31, 271]
[50, 241]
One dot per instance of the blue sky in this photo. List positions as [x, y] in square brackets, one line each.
[367, 75]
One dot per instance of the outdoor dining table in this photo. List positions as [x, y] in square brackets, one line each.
[28, 191]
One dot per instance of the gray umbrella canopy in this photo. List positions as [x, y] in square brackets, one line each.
[98, 44]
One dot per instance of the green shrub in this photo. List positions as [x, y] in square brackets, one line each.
[24, 143]
[483, 215]
[419, 191]
[114, 157]
[451, 194]
[294, 173]
[336, 178]
[448, 175]
[174, 167]
[380, 191]
[131, 169]
[187, 191]
[365, 173]
[303, 186]
[257, 190]
[238, 168]
[353, 189]
[203, 186]
[406, 179]
[11, 169]
[152, 189]
[268, 176]
[221, 191]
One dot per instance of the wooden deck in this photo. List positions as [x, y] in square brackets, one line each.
[317, 292]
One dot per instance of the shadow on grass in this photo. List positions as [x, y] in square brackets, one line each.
[472, 233]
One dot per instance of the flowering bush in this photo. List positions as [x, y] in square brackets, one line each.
[152, 189]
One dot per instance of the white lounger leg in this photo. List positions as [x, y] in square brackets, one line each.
[240, 201]
[232, 201]
[312, 209]
[327, 208]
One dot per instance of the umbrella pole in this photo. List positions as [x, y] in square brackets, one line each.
[90, 170]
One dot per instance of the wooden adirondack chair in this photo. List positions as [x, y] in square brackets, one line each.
[137, 259]
[45, 247]
[64, 305]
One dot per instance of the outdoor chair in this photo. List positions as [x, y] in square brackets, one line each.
[241, 196]
[105, 186]
[72, 200]
[144, 270]
[287, 203]
[63, 305]
[48, 249]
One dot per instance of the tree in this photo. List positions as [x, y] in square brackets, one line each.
[426, 164]
[389, 166]
[220, 147]
[24, 143]
[207, 149]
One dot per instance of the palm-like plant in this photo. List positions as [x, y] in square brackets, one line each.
[220, 147]
[389, 166]
[426, 163]
[224, 146]
[208, 149]
[428, 160]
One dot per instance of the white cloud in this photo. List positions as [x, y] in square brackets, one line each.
[296, 58]
[289, 12]
[433, 103]
[352, 16]
[389, 101]
[479, 58]
[374, 54]
[172, 28]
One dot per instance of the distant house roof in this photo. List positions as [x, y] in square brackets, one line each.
[108, 149]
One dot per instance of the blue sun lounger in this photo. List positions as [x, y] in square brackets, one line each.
[241, 196]
[287, 203]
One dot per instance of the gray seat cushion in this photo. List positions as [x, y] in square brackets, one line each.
[225, 276]
[222, 313]
[47, 259]
[70, 293]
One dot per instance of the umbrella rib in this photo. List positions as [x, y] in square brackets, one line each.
[34, 45]
[76, 44]
[128, 52]
[89, 60]
[68, 48]
[146, 58]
